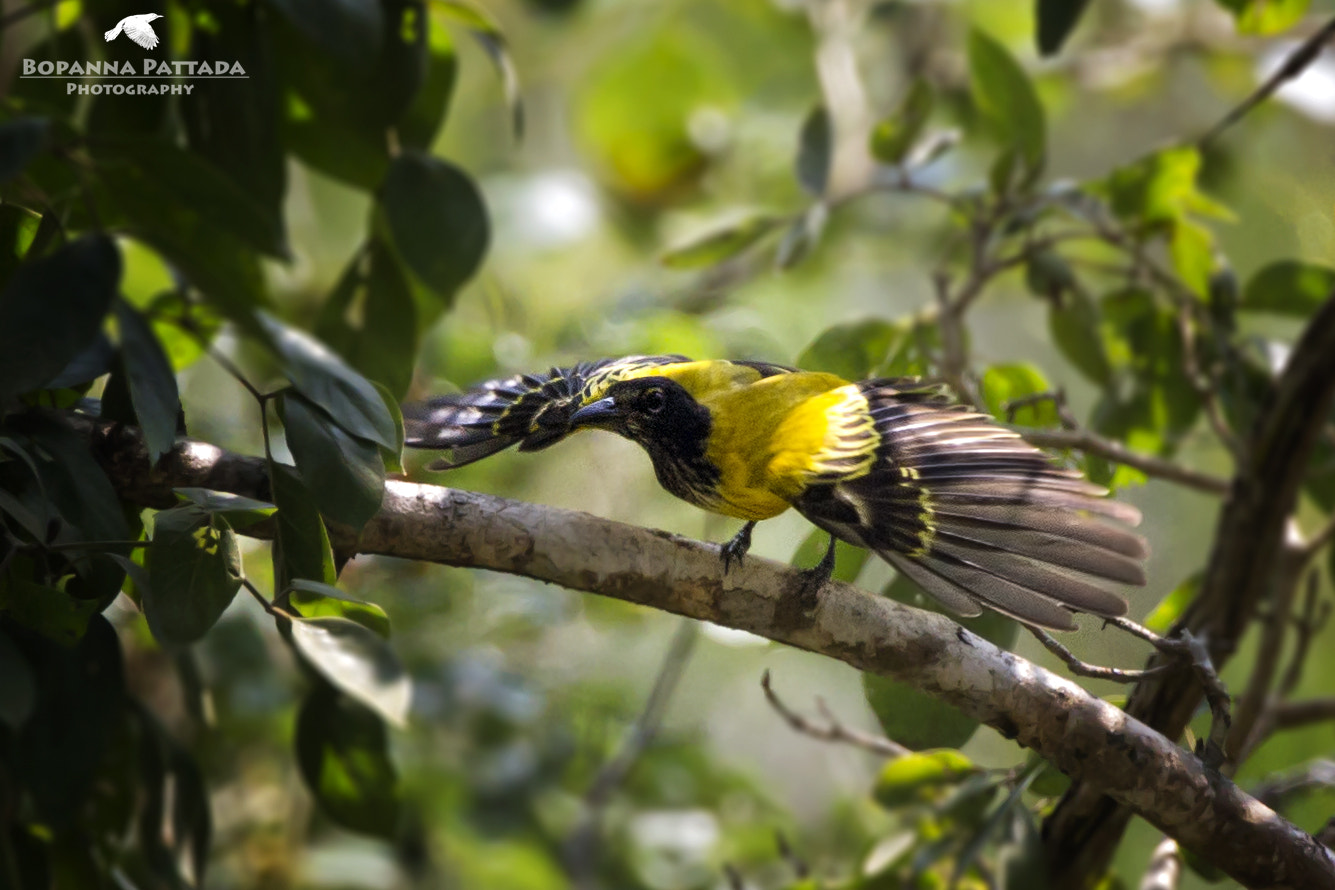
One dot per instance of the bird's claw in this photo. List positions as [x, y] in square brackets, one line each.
[736, 547]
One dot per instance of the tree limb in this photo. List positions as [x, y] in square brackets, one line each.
[1083, 736]
[1087, 826]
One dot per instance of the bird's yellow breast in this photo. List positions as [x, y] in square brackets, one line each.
[752, 424]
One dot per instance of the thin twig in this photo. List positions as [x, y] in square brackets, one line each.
[1297, 61]
[1084, 668]
[581, 845]
[833, 731]
[255, 592]
[1293, 714]
[1205, 385]
[1157, 467]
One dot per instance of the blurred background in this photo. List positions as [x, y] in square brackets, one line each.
[647, 126]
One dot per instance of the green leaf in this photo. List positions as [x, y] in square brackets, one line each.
[1048, 781]
[344, 758]
[421, 123]
[21, 139]
[371, 320]
[802, 235]
[1173, 606]
[358, 661]
[301, 547]
[913, 718]
[1000, 815]
[53, 308]
[1265, 17]
[853, 350]
[917, 777]
[1056, 20]
[194, 571]
[321, 376]
[1191, 247]
[1003, 384]
[1289, 287]
[1161, 188]
[314, 599]
[437, 221]
[488, 35]
[815, 151]
[721, 244]
[1075, 326]
[152, 381]
[393, 457]
[239, 511]
[1005, 96]
[848, 559]
[49, 611]
[894, 137]
[344, 474]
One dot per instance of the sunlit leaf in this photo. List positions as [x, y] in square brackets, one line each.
[1003, 384]
[488, 35]
[1289, 287]
[194, 570]
[1264, 17]
[358, 661]
[1162, 618]
[914, 777]
[239, 511]
[314, 599]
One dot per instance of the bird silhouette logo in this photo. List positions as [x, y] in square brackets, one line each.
[137, 28]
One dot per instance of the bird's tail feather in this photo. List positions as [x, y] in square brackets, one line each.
[977, 516]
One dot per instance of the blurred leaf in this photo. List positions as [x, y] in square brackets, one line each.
[358, 661]
[95, 360]
[349, 30]
[194, 569]
[915, 719]
[1289, 287]
[321, 376]
[151, 379]
[239, 511]
[999, 816]
[1024, 861]
[18, 231]
[1047, 274]
[1191, 247]
[393, 457]
[344, 758]
[801, 236]
[235, 124]
[21, 139]
[1172, 607]
[344, 474]
[318, 600]
[49, 611]
[815, 151]
[893, 137]
[488, 35]
[1048, 781]
[914, 777]
[301, 546]
[52, 308]
[57, 752]
[1265, 17]
[1003, 384]
[421, 122]
[720, 244]
[1056, 20]
[1075, 328]
[437, 221]
[1005, 96]
[371, 320]
[853, 350]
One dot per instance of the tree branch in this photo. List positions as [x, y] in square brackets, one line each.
[1086, 827]
[1083, 736]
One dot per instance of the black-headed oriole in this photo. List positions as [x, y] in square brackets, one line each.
[961, 505]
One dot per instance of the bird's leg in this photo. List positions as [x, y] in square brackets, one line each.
[736, 548]
[815, 578]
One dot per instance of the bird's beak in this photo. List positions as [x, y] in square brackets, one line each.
[596, 413]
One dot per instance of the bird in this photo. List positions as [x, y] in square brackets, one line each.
[137, 28]
[958, 503]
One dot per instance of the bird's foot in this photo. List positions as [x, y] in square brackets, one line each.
[815, 578]
[736, 548]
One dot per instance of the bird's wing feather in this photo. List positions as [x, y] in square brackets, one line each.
[974, 514]
[530, 410]
[140, 32]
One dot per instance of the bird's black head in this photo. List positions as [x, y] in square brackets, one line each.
[653, 411]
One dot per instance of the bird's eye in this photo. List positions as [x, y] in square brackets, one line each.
[653, 401]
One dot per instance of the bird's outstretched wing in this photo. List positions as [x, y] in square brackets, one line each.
[141, 32]
[968, 509]
[531, 410]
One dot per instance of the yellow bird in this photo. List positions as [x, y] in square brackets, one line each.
[961, 505]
